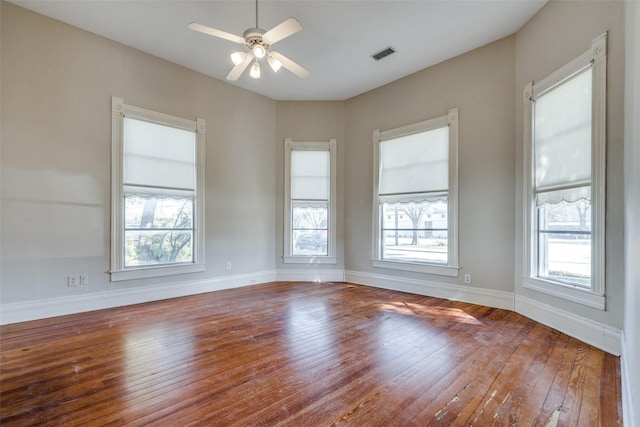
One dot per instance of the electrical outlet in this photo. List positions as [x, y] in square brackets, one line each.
[228, 265]
[467, 278]
[84, 280]
[72, 280]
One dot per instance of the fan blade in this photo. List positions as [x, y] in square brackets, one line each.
[281, 31]
[290, 65]
[215, 33]
[237, 71]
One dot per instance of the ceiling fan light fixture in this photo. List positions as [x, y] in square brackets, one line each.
[255, 70]
[238, 57]
[274, 63]
[259, 51]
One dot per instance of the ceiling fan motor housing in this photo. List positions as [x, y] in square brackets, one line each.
[253, 36]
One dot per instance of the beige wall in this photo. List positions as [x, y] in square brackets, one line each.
[632, 214]
[561, 31]
[57, 82]
[481, 85]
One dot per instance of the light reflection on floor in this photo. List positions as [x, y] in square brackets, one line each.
[452, 314]
[151, 350]
[306, 327]
[410, 332]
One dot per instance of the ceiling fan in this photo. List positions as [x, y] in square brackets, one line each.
[258, 41]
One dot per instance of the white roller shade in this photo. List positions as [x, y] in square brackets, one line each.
[158, 156]
[417, 163]
[310, 171]
[562, 134]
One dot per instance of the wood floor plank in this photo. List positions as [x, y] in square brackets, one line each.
[503, 387]
[553, 404]
[533, 406]
[589, 414]
[468, 404]
[391, 395]
[610, 405]
[575, 388]
[388, 404]
[534, 353]
[302, 354]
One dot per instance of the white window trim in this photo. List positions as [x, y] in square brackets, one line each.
[118, 273]
[452, 268]
[330, 146]
[594, 297]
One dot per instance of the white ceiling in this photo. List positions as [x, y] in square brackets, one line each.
[335, 43]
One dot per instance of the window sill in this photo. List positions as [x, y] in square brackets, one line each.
[440, 270]
[309, 260]
[146, 272]
[567, 292]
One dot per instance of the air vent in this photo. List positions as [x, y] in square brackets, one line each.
[383, 53]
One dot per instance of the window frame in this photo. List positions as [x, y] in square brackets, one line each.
[118, 271]
[594, 296]
[288, 257]
[452, 267]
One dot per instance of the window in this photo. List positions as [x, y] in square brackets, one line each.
[564, 179]
[415, 194]
[157, 193]
[310, 208]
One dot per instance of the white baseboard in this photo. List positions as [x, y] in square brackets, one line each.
[597, 334]
[318, 275]
[628, 413]
[40, 309]
[490, 298]
[51, 307]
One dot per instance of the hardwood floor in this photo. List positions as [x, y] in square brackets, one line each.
[303, 354]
